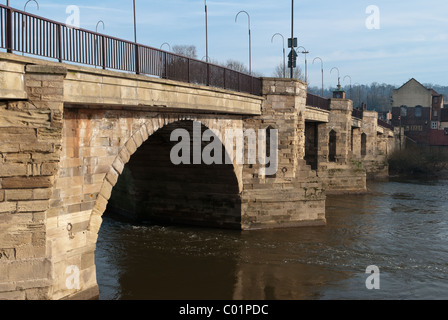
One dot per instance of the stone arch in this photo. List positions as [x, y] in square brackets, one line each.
[363, 144]
[130, 147]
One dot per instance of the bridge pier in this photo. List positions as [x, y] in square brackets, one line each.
[374, 157]
[294, 196]
[30, 151]
[339, 172]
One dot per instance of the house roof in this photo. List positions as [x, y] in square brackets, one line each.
[433, 92]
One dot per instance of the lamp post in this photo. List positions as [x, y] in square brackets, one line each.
[292, 37]
[359, 93]
[96, 39]
[322, 70]
[339, 82]
[23, 21]
[135, 25]
[350, 85]
[24, 8]
[206, 31]
[305, 52]
[137, 57]
[165, 43]
[250, 47]
[284, 63]
[102, 22]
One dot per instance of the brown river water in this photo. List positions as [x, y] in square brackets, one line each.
[401, 227]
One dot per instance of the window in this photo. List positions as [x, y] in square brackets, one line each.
[434, 125]
[403, 111]
[435, 113]
[418, 111]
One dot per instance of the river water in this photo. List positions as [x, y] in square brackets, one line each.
[401, 227]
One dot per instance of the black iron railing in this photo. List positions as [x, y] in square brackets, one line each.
[27, 33]
[384, 124]
[356, 113]
[317, 102]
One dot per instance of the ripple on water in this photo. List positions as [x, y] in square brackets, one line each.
[402, 227]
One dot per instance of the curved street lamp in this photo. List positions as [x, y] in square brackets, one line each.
[96, 38]
[97, 24]
[165, 43]
[359, 93]
[250, 49]
[339, 82]
[322, 69]
[305, 52]
[350, 85]
[37, 4]
[284, 59]
[23, 21]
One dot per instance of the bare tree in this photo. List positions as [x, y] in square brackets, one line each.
[236, 65]
[297, 74]
[185, 50]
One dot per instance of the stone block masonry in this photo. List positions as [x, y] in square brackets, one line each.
[337, 169]
[30, 147]
[294, 196]
[72, 138]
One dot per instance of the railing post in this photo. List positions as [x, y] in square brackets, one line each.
[225, 78]
[59, 32]
[104, 52]
[208, 74]
[239, 82]
[251, 85]
[166, 66]
[137, 60]
[188, 70]
[9, 31]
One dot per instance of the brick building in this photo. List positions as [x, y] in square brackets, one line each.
[420, 111]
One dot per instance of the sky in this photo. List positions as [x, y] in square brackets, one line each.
[360, 41]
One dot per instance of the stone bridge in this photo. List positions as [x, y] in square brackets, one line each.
[76, 140]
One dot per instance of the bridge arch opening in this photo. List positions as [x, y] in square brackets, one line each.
[155, 189]
[332, 146]
[363, 145]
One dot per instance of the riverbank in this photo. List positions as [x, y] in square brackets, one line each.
[419, 162]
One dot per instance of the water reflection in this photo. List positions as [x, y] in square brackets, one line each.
[400, 226]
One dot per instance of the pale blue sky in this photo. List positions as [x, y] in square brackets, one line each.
[412, 40]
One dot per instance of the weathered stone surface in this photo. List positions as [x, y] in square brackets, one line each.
[64, 150]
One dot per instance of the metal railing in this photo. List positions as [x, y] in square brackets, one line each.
[317, 102]
[384, 124]
[356, 113]
[27, 33]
